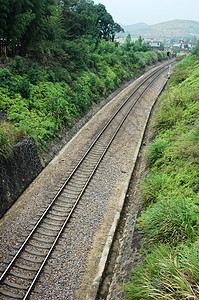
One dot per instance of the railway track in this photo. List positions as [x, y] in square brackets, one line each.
[21, 274]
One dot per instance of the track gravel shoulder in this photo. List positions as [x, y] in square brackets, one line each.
[75, 270]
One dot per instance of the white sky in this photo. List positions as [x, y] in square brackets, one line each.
[128, 12]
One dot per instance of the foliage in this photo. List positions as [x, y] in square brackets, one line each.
[17, 65]
[152, 187]
[71, 61]
[6, 140]
[44, 100]
[27, 24]
[195, 51]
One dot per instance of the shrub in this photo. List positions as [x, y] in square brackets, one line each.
[17, 65]
[195, 50]
[77, 72]
[141, 63]
[5, 77]
[23, 87]
[51, 76]
[34, 74]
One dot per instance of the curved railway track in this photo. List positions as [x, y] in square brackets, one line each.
[18, 279]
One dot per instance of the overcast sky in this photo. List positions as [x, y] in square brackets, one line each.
[128, 12]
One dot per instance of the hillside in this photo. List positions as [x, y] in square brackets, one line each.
[169, 220]
[134, 27]
[175, 29]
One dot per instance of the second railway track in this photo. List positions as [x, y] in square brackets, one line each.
[22, 272]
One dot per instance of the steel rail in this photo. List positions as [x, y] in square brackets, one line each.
[74, 170]
[85, 186]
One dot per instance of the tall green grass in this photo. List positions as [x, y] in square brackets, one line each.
[169, 221]
[170, 191]
[167, 273]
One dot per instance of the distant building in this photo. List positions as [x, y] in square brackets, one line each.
[182, 46]
[155, 45]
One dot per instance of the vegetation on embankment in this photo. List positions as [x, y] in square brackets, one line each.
[64, 58]
[40, 100]
[169, 222]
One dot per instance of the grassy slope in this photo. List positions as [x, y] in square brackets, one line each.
[170, 220]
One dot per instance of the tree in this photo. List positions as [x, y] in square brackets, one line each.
[128, 43]
[24, 22]
[140, 46]
[84, 18]
[16, 18]
[195, 50]
[4, 10]
[38, 28]
[108, 27]
[78, 18]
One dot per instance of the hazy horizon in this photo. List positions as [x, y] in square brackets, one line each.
[128, 12]
[158, 22]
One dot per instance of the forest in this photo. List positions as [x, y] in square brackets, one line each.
[31, 24]
[57, 58]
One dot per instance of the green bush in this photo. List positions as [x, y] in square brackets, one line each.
[23, 87]
[34, 74]
[5, 77]
[17, 65]
[43, 98]
[195, 50]
[151, 187]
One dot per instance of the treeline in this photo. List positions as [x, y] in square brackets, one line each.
[69, 61]
[27, 25]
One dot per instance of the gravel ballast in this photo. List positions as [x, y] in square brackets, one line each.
[76, 265]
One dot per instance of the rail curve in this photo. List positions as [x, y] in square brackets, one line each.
[21, 274]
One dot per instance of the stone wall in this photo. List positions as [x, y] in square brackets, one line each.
[17, 172]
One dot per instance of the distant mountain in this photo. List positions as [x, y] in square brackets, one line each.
[175, 29]
[134, 27]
